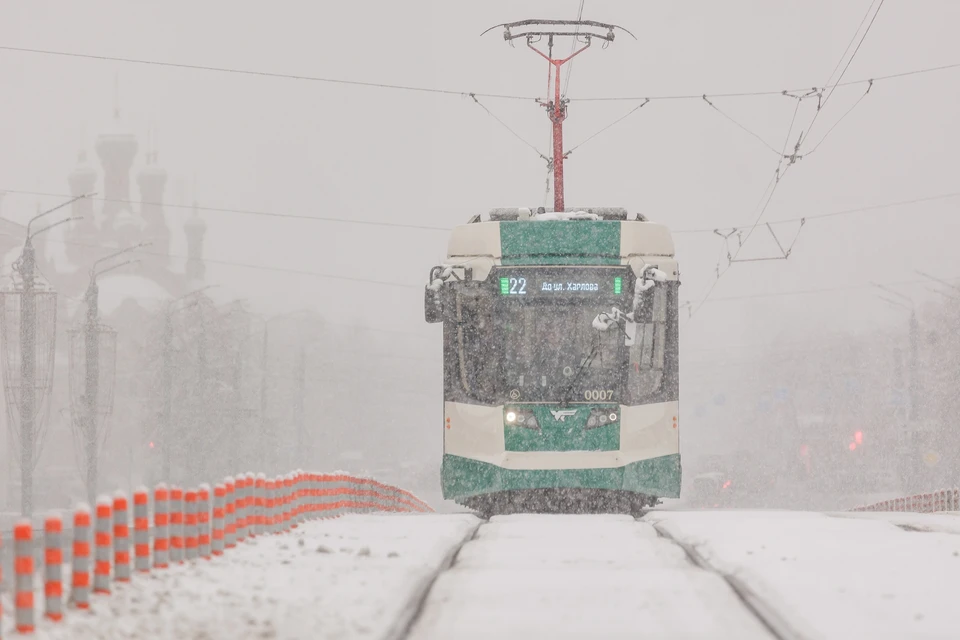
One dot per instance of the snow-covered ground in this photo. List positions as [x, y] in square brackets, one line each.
[834, 575]
[552, 576]
[357, 576]
[807, 575]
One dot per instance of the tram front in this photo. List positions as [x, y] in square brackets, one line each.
[560, 383]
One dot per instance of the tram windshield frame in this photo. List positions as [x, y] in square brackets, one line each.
[479, 346]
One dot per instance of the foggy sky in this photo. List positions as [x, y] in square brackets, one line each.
[370, 154]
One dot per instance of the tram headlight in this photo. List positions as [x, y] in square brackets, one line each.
[601, 417]
[520, 418]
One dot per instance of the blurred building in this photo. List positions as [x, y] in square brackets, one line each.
[129, 208]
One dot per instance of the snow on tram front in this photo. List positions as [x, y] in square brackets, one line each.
[560, 358]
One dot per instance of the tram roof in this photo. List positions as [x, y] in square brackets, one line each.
[597, 232]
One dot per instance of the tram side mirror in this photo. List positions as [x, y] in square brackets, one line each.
[648, 279]
[432, 305]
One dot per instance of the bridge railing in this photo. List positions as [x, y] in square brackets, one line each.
[942, 500]
[169, 525]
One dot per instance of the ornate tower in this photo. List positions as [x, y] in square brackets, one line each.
[117, 148]
[153, 182]
[82, 234]
[195, 228]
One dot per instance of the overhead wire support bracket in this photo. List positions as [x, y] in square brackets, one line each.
[784, 253]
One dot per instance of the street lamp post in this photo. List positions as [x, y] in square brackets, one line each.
[26, 266]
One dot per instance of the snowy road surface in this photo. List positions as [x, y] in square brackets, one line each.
[834, 576]
[558, 577]
[671, 574]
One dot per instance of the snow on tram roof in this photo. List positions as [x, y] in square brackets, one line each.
[634, 237]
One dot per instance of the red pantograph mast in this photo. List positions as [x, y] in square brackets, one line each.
[557, 108]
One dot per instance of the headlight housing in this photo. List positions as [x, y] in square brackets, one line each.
[518, 417]
[601, 418]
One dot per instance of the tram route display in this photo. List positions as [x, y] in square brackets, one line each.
[534, 283]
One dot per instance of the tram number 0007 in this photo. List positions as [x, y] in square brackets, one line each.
[598, 394]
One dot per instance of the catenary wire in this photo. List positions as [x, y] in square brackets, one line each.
[266, 74]
[755, 94]
[245, 265]
[692, 96]
[250, 212]
[507, 127]
[843, 73]
[831, 214]
[612, 124]
[573, 47]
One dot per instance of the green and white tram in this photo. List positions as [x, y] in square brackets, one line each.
[560, 343]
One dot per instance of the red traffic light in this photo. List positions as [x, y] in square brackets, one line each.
[858, 437]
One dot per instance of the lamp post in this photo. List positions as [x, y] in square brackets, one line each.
[26, 383]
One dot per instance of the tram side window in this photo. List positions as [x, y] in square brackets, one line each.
[648, 352]
[472, 357]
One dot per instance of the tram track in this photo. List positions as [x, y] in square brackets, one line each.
[766, 614]
[605, 575]
[401, 628]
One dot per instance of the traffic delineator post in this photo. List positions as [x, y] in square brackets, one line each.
[53, 568]
[23, 576]
[176, 525]
[80, 580]
[191, 543]
[141, 529]
[230, 512]
[203, 521]
[161, 527]
[121, 538]
[103, 546]
[219, 519]
[260, 503]
[240, 508]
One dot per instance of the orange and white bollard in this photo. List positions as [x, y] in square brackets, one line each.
[23, 576]
[176, 525]
[251, 504]
[101, 567]
[190, 541]
[161, 528]
[203, 521]
[141, 529]
[240, 508]
[80, 593]
[219, 519]
[230, 522]
[297, 511]
[53, 568]
[121, 538]
[259, 503]
[287, 484]
[269, 506]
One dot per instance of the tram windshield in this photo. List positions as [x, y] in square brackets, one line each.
[531, 338]
[551, 352]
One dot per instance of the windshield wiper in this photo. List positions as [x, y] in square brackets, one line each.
[565, 395]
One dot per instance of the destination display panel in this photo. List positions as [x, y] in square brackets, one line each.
[581, 283]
